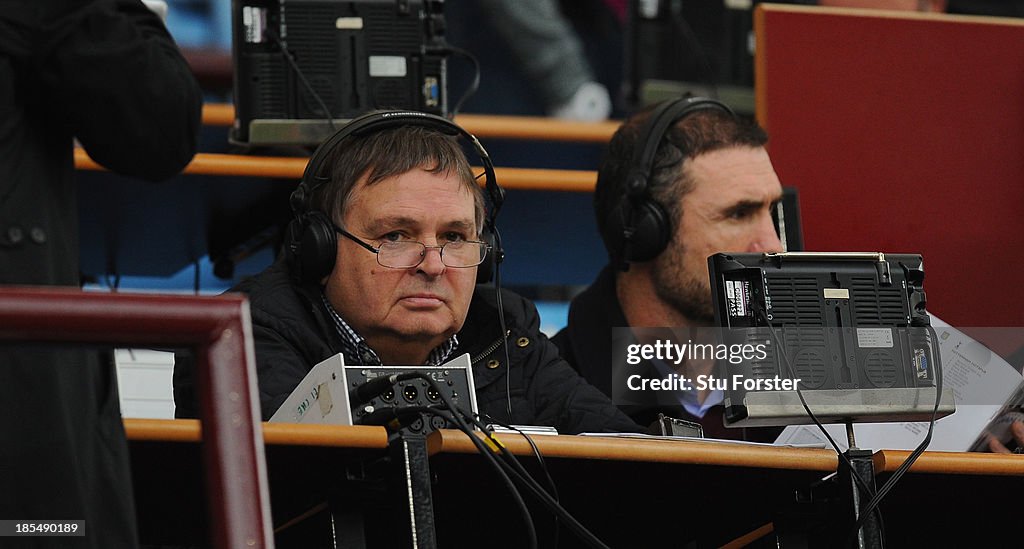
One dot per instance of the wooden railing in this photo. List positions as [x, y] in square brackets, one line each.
[219, 330]
[483, 126]
[291, 168]
[534, 128]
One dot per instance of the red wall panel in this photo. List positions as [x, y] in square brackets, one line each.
[904, 133]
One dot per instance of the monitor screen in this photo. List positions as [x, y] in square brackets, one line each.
[344, 58]
[851, 327]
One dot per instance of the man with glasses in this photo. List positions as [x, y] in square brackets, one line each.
[407, 214]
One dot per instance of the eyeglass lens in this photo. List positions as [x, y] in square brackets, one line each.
[408, 253]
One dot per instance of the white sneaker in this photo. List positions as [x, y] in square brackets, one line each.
[590, 103]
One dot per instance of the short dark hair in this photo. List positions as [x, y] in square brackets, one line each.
[388, 153]
[697, 133]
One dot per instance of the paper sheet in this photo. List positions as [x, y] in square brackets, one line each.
[981, 381]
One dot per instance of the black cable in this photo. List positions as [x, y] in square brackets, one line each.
[453, 418]
[514, 468]
[195, 276]
[115, 284]
[703, 63]
[861, 483]
[302, 77]
[501, 324]
[533, 447]
[474, 85]
[905, 466]
[458, 418]
[531, 484]
[545, 498]
[799, 393]
[543, 466]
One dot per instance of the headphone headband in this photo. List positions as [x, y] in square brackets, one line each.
[385, 120]
[663, 117]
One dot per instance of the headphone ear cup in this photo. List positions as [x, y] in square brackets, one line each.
[485, 271]
[651, 231]
[316, 247]
[613, 233]
[638, 230]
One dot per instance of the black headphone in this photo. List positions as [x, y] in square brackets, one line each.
[313, 243]
[639, 228]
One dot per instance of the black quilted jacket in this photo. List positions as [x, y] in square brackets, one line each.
[293, 333]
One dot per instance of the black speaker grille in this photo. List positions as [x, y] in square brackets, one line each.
[810, 367]
[269, 80]
[877, 306]
[390, 93]
[880, 368]
[314, 45]
[795, 301]
[404, 36]
[807, 352]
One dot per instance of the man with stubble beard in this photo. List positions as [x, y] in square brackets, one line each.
[680, 181]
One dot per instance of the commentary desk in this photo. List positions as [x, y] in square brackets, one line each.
[631, 492]
[602, 481]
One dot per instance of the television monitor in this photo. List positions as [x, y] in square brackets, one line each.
[852, 327]
[347, 57]
[673, 47]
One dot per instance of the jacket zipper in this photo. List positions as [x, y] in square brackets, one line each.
[491, 348]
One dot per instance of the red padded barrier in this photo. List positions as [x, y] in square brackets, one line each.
[904, 133]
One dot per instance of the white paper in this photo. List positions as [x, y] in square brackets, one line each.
[972, 371]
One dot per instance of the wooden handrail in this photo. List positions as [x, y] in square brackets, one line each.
[648, 450]
[535, 128]
[218, 114]
[951, 463]
[279, 434]
[219, 330]
[491, 126]
[292, 167]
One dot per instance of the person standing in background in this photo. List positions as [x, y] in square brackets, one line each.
[106, 73]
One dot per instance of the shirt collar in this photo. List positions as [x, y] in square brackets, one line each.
[358, 352]
[688, 399]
